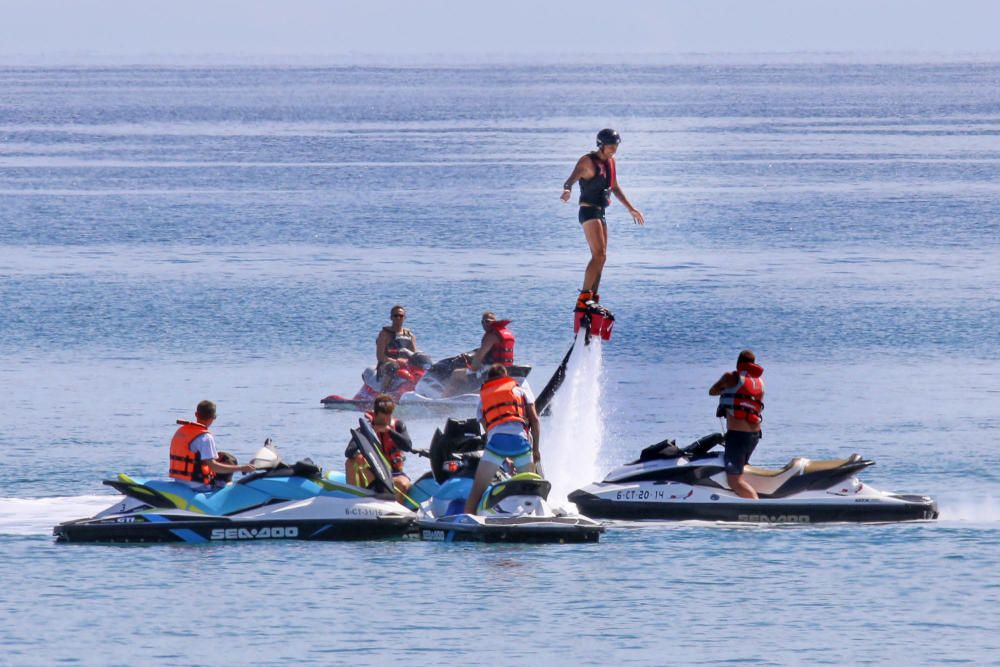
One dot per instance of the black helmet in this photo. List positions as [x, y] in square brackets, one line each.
[608, 136]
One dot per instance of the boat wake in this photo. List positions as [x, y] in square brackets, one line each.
[37, 516]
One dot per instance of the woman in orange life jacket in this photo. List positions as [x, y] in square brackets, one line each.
[495, 347]
[509, 415]
[393, 440]
[194, 458]
[741, 400]
[598, 181]
[394, 343]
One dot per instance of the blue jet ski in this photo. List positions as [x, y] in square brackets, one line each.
[277, 502]
[514, 508]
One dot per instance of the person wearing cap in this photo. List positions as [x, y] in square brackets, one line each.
[194, 457]
[598, 179]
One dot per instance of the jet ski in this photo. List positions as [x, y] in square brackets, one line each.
[277, 502]
[514, 508]
[421, 384]
[675, 484]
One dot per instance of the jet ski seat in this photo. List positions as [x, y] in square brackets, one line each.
[767, 481]
[832, 464]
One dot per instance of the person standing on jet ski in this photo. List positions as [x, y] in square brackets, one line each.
[194, 458]
[741, 400]
[512, 430]
[393, 440]
[495, 347]
[598, 180]
[394, 343]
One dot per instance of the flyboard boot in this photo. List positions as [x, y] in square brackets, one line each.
[592, 317]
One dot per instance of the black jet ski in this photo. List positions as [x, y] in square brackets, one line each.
[277, 502]
[514, 508]
[676, 484]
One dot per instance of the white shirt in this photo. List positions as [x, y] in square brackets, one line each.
[511, 427]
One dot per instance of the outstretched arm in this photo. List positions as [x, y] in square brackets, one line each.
[635, 213]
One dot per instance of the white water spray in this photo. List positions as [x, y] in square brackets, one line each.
[571, 439]
[37, 516]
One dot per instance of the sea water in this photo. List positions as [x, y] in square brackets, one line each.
[169, 234]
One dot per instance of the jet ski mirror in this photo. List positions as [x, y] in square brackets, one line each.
[267, 457]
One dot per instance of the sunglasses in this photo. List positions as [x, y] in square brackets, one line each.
[398, 316]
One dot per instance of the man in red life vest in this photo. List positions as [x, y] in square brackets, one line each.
[393, 441]
[194, 458]
[741, 400]
[495, 347]
[509, 415]
[598, 181]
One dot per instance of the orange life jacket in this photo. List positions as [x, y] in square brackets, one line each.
[502, 351]
[184, 463]
[745, 400]
[393, 454]
[500, 403]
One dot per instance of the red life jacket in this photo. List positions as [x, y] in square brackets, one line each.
[393, 454]
[502, 351]
[184, 463]
[500, 403]
[745, 400]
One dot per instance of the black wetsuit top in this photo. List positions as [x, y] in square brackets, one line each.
[596, 191]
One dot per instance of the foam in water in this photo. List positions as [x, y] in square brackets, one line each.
[34, 516]
[571, 439]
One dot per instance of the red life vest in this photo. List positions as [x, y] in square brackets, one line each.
[184, 463]
[502, 351]
[500, 402]
[745, 400]
[393, 454]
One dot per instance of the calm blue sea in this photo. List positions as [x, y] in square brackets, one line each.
[169, 234]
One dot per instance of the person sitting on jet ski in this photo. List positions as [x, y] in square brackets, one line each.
[741, 396]
[194, 458]
[495, 347]
[393, 344]
[508, 413]
[393, 440]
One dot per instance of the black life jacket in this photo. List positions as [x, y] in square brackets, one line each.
[596, 191]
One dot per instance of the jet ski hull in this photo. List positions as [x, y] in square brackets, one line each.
[182, 527]
[525, 530]
[722, 505]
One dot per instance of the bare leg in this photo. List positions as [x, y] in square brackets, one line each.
[597, 238]
[741, 487]
[484, 473]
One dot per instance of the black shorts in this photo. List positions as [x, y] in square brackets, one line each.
[591, 213]
[739, 447]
